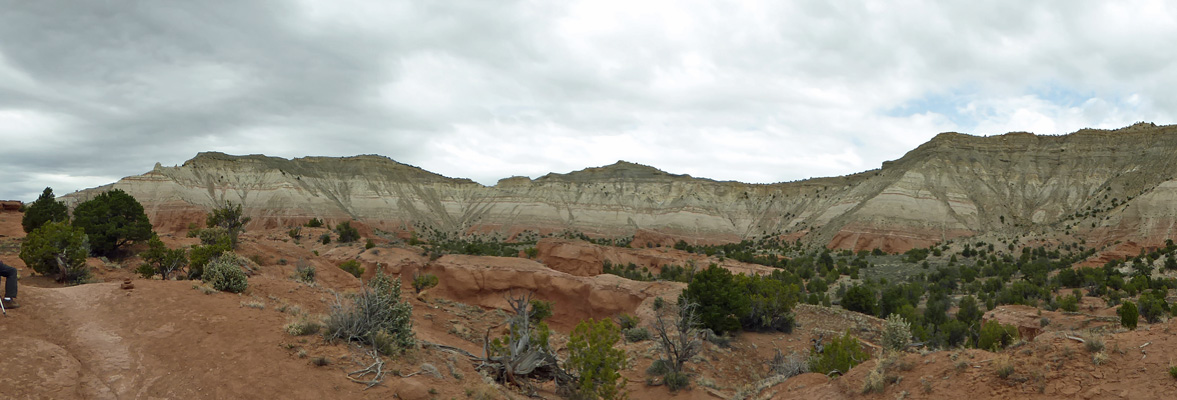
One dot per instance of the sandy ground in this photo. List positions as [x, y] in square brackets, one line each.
[166, 339]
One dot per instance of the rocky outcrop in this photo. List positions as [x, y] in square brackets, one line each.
[1093, 185]
[10, 205]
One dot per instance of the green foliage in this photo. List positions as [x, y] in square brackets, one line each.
[629, 271]
[376, 317]
[635, 335]
[224, 273]
[531, 252]
[676, 381]
[325, 238]
[159, 259]
[1068, 303]
[1129, 315]
[594, 359]
[628, 321]
[45, 209]
[229, 218]
[314, 223]
[1173, 372]
[57, 249]
[540, 311]
[295, 233]
[352, 267]
[720, 297]
[214, 242]
[896, 333]
[424, 281]
[303, 327]
[1152, 307]
[346, 232]
[861, 299]
[995, 336]
[770, 303]
[968, 311]
[369, 244]
[838, 356]
[112, 220]
[304, 272]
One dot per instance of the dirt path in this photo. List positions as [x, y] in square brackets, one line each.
[159, 340]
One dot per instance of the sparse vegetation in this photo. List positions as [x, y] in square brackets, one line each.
[304, 272]
[837, 357]
[346, 232]
[302, 327]
[376, 317]
[679, 341]
[352, 267]
[424, 281]
[159, 259]
[228, 217]
[896, 333]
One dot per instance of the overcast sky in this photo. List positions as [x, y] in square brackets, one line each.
[755, 91]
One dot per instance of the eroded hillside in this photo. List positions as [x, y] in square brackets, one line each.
[1093, 185]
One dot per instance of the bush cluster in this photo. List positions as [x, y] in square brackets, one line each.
[376, 316]
[225, 274]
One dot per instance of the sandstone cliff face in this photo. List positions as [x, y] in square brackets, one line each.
[953, 186]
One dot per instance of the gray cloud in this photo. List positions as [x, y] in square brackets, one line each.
[753, 91]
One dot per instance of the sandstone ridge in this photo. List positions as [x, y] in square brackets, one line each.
[1094, 185]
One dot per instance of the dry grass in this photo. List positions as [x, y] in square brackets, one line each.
[1003, 365]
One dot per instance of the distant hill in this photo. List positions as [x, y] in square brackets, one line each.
[1091, 186]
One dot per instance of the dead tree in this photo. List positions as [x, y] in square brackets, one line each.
[678, 335]
[520, 360]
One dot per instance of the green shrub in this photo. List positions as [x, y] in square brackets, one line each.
[424, 281]
[596, 362]
[838, 356]
[1068, 303]
[676, 381]
[995, 336]
[295, 233]
[720, 297]
[369, 244]
[52, 242]
[540, 310]
[304, 272]
[325, 238]
[896, 333]
[303, 327]
[1129, 316]
[45, 209]
[376, 316]
[659, 367]
[225, 274]
[229, 218]
[112, 220]
[214, 242]
[628, 321]
[635, 335]
[770, 303]
[347, 233]
[159, 259]
[352, 267]
[1173, 372]
[314, 223]
[1152, 307]
[861, 299]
